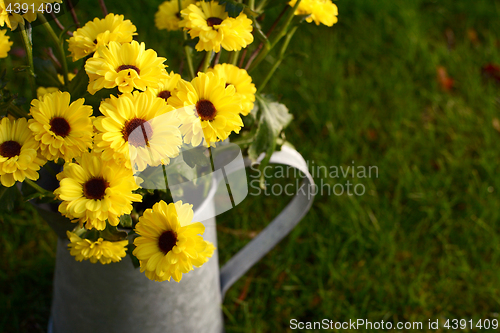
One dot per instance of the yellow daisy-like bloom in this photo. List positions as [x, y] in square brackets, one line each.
[101, 250]
[5, 44]
[319, 11]
[64, 130]
[18, 152]
[127, 66]
[8, 9]
[242, 83]
[209, 111]
[100, 32]
[168, 15]
[169, 244]
[41, 91]
[210, 22]
[95, 190]
[166, 87]
[138, 129]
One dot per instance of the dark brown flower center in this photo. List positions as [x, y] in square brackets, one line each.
[60, 126]
[95, 188]
[139, 137]
[178, 15]
[10, 149]
[126, 67]
[167, 241]
[206, 110]
[165, 94]
[211, 21]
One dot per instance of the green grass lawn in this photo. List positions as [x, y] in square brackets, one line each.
[421, 243]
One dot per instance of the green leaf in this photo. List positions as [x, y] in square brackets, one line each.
[178, 170]
[263, 139]
[262, 37]
[95, 100]
[196, 156]
[112, 233]
[233, 8]
[46, 73]
[9, 197]
[130, 249]
[273, 118]
[78, 86]
[126, 221]
[55, 220]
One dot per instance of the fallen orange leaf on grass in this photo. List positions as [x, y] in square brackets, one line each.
[444, 80]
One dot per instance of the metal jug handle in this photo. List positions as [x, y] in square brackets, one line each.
[287, 219]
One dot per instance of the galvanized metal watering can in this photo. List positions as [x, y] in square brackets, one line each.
[118, 298]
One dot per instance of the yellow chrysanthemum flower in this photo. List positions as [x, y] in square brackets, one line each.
[19, 157]
[166, 87]
[168, 15]
[139, 129]
[101, 250]
[169, 244]
[210, 22]
[64, 130]
[242, 83]
[95, 190]
[41, 91]
[127, 66]
[100, 32]
[5, 44]
[11, 11]
[319, 11]
[209, 111]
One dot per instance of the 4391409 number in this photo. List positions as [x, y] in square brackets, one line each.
[23, 8]
[462, 324]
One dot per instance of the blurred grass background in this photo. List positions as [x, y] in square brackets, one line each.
[421, 243]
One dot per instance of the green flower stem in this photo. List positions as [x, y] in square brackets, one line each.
[279, 60]
[283, 31]
[206, 61]
[165, 176]
[233, 57]
[251, 4]
[59, 45]
[261, 5]
[189, 57]
[16, 111]
[187, 50]
[38, 188]
[29, 54]
[261, 45]
[279, 34]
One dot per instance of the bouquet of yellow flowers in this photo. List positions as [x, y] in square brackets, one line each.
[99, 124]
